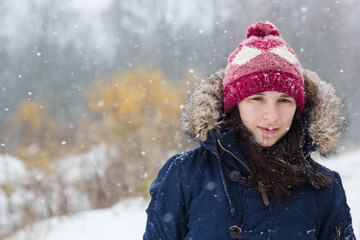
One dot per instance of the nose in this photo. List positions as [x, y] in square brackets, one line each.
[270, 112]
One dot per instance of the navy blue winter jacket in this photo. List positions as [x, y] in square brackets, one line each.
[200, 194]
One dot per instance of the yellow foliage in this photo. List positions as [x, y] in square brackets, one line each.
[33, 114]
[35, 130]
[30, 111]
[136, 97]
[137, 113]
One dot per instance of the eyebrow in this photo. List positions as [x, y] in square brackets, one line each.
[282, 95]
[285, 96]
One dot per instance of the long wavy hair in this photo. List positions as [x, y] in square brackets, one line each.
[282, 166]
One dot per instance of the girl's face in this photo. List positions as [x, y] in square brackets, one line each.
[267, 115]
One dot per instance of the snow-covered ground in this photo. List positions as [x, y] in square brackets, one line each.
[124, 221]
[127, 219]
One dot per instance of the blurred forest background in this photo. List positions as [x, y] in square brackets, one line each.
[91, 91]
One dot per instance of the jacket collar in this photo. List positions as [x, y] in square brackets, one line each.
[218, 142]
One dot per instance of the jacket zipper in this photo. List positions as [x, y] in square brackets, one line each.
[261, 188]
[233, 155]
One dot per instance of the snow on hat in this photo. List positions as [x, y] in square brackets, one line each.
[263, 62]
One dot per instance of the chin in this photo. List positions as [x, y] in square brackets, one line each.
[266, 143]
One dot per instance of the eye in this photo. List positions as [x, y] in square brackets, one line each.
[257, 98]
[285, 100]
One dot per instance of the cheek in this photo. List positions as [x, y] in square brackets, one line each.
[288, 119]
[288, 116]
[247, 114]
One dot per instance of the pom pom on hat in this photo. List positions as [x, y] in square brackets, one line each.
[262, 62]
[262, 30]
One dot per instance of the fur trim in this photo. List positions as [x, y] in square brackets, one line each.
[204, 111]
[327, 118]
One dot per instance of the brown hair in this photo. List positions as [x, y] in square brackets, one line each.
[282, 166]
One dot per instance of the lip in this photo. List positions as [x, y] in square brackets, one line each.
[268, 130]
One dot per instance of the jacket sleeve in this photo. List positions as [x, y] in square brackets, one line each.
[166, 214]
[337, 223]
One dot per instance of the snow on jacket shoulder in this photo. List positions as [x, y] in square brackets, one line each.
[200, 195]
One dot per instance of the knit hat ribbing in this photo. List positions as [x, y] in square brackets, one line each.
[263, 62]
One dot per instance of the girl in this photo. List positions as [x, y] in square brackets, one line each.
[253, 177]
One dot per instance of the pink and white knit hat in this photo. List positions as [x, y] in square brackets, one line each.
[263, 62]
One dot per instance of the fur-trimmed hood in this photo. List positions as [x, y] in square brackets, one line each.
[204, 110]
